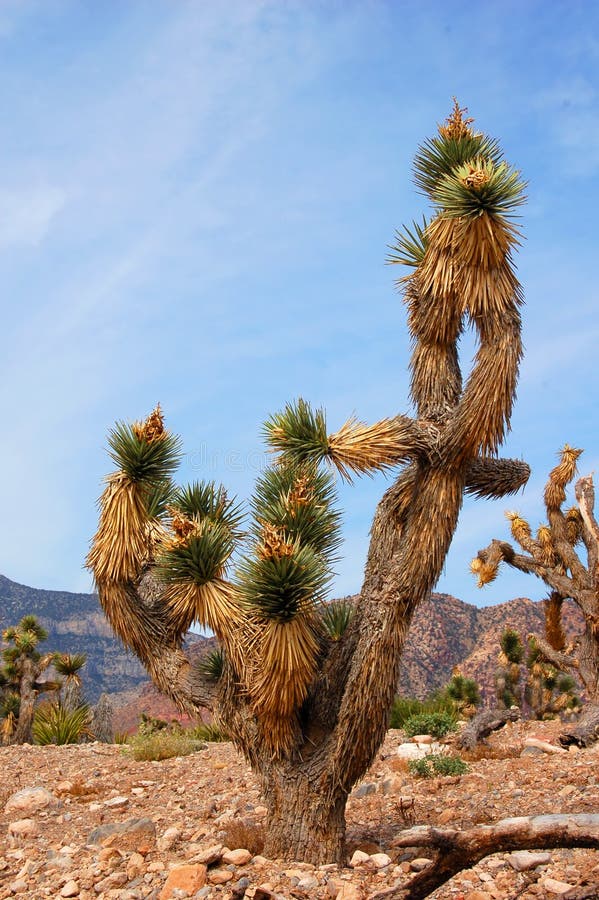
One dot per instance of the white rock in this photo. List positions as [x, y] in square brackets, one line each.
[169, 839]
[417, 865]
[116, 802]
[237, 857]
[359, 859]
[380, 860]
[418, 751]
[543, 745]
[20, 829]
[29, 800]
[552, 886]
[422, 739]
[523, 860]
[350, 891]
[71, 889]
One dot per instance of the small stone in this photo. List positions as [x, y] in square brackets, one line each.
[117, 802]
[18, 886]
[476, 895]
[309, 883]
[29, 800]
[71, 889]
[134, 834]
[21, 829]
[532, 751]
[210, 855]
[169, 839]
[359, 858]
[239, 857]
[138, 791]
[261, 811]
[422, 739]
[420, 863]
[364, 790]
[524, 860]
[183, 878]
[350, 891]
[380, 860]
[446, 816]
[545, 746]
[552, 886]
[334, 885]
[220, 876]
[567, 790]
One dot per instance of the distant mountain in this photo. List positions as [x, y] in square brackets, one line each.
[445, 632]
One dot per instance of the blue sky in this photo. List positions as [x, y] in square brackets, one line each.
[195, 204]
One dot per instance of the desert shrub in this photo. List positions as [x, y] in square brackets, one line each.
[437, 764]
[54, 723]
[162, 744]
[212, 733]
[405, 708]
[464, 693]
[238, 834]
[438, 724]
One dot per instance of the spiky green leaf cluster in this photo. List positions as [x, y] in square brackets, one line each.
[158, 498]
[144, 461]
[280, 588]
[53, 723]
[499, 195]
[298, 433]
[68, 664]
[311, 521]
[335, 617]
[410, 245]
[205, 500]
[202, 557]
[438, 157]
[10, 703]
[213, 664]
[512, 646]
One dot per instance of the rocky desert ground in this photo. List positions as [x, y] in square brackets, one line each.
[90, 822]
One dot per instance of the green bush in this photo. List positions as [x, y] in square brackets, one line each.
[162, 744]
[437, 724]
[437, 764]
[211, 733]
[405, 708]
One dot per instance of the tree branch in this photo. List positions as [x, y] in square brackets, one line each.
[458, 850]
[562, 661]
[488, 477]
[585, 495]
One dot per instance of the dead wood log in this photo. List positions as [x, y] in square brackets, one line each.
[586, 731]
[483, 723]
[458, 850]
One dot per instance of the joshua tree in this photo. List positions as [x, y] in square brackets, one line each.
[554, 556]
[507, 677]
[547, 692]
[23, 665]
[68, 666]
[310, 711]
[464, 692]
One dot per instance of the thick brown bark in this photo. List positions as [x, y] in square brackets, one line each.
[22, 733]
[483, 724]
[458, 850]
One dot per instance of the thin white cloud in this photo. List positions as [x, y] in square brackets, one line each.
[26, 214]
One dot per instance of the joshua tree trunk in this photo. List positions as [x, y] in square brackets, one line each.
[22, 733]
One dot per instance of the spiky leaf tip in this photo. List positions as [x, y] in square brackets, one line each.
[298, 433]
[205, 500]
[200, 557]
[335, 617]
[478, 187]
[282, 587]
[409, 246]
[68, 664]
[144, 455]
[213, 664]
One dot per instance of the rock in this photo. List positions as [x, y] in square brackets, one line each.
[238, 857]
[334, 885]
[210, 855]
[446, 816]
[240, 887]
[422, 739]
[410, 750]
[21, 829]
[524, 860]
[552, 886]
[18, 886]
[262, 893]
[184, 878]
[30, 800]
[220, 876]
[117, 802]
[359, 859]
[420, 863]
[477, 895]
[350, 891]
[169, 839]
[380, 860]
[308, 884]
[364, 790]
[532, 751]
[134, 834]
[71, 889]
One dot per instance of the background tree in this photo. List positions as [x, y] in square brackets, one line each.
[68, 666]
[309, 712]
[507, 677]
[463, 692]
[23, 666]
[548, 692]
[554, 556]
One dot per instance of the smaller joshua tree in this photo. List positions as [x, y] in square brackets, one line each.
[464, 692]
[68, 666]
[548, 692]
[564, 554]
[23, 666]
[507, 678]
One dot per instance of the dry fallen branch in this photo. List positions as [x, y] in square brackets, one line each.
[458, 850]
[483, 723]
